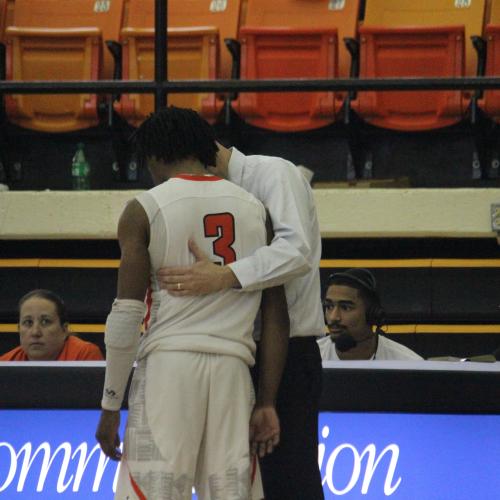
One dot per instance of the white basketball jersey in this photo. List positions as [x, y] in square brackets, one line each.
[228, 223]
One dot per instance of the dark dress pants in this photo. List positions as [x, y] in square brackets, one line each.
[291, 472]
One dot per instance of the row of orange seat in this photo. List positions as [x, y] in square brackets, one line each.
[57, 39]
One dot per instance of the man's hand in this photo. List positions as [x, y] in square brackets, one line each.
[264, 430]
[202, 278]
[107, 434]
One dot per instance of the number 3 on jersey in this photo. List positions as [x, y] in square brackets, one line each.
[222, 227]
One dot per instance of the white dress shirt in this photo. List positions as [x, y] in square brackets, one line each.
[293, 258]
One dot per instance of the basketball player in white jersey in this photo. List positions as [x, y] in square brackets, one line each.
[192, 412]
[291, 472]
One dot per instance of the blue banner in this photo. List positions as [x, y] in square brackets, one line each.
[49, 454]
[408, 456]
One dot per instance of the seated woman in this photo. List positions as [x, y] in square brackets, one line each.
[44, 334]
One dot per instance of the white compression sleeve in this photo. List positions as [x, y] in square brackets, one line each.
[123, 330]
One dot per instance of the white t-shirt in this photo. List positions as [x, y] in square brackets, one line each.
[293, 258]
[387, 349]
[227, 223]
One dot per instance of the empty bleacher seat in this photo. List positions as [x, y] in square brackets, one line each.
[490, 101]
[6, 16]
[54, 40]
[431, 13]
[192, 55]
[224, 15]
[429, 38]
[3, 19]
[196, 33]
[17, 277]
[30, 55]
[87, 286]
[466, 293]
[294, 39]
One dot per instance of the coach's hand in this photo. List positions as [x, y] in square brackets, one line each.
[264, 430]
[107, 434]
[202, 278]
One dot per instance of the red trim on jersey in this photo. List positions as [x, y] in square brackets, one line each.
[149, 304]
[254, 469]
[192, 177]
[136, 488]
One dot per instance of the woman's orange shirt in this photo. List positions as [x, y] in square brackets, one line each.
[74, 349]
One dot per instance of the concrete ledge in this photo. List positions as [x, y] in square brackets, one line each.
[373, 212]
[61, 214]
[456, 213]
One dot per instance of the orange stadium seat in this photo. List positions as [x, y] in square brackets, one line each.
[490, 102]
[431, 13]
[222, 14]
[429, 38]
[294, 39]
[196, 31]
[3, 19]
[54, 40]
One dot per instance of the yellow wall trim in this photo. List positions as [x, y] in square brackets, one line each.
[409, 263]
[62, 263]
[325, 263]
[390, 329]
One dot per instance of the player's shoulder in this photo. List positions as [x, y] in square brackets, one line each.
[134, 211]
[232, 189]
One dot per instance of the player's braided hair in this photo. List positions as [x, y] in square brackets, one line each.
[172, 134]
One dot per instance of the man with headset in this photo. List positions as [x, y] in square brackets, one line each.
[352, 310]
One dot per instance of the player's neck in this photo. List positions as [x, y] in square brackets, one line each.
[187, 167]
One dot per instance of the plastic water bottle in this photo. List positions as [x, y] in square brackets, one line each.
[80, 169]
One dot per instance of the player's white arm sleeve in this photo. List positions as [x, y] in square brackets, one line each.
[123, 330]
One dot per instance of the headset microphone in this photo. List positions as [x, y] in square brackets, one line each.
[364, 279]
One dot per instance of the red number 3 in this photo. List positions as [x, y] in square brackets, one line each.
[221, 225]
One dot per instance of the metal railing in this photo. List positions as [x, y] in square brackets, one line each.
[279, 85]
[161, 86]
